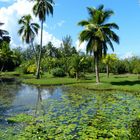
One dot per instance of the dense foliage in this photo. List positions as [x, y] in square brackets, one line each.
[58, 72]
[53, 57]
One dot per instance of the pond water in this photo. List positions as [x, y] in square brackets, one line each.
[15, 99]
[82, 113]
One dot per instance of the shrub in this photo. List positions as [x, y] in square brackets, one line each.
[58, 72]
[72, 73]
[23, 68]
[31, 69]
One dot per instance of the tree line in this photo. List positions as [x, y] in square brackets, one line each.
[64, 61]
[97, 32]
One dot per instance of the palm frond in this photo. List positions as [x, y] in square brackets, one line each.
[85, 35]
[91, 11]
[113, 36]
[89, 47]
[20, 31]
[49, 8]
[1, 23]
[108, 41]
[83, 23]
[104, 48]
[107, 15]
[100, 7]
[111, 26]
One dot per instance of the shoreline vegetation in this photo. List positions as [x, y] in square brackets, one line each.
[123, 82]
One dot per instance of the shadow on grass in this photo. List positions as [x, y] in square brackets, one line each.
[121, 76]
[89, 77]
[126, 82]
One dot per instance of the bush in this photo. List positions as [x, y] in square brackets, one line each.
[23, 68]
[31, 69]
[58, 72]
[72, 73]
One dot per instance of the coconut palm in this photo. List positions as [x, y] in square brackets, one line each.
[98, 33]
[41, 9]
[4, 35]
[2, 32]
[28, 31]
[108, 61]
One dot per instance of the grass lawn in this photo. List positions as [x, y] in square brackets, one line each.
[127, 82]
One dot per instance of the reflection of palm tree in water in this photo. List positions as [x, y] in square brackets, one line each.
[40, 110]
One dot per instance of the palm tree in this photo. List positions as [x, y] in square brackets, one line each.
[4, 35]
[28, 31]
[41, 9]
[98, 34]
[108, 61]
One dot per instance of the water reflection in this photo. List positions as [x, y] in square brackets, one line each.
[39, 104]
[15, 99]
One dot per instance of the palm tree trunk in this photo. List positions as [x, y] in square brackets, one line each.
[107, 70]
[40, 52]
[96, 67]
[2, 68]
[34, 50]
[76, 75]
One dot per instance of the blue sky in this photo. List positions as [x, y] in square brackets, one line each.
[67, 13]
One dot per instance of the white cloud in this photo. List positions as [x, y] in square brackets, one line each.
[127, 55]
[55, 26]
[60, 23]
[48, 37]
[10, 16]
[81, 47]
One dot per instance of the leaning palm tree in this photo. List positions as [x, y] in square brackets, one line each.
[28, 30]
[98, 34]
[41, 9]
[4, 34]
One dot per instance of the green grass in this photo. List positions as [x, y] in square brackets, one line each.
[127, 82]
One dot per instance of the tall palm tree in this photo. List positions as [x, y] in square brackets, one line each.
[28, 30]
[98, 33]
[41, 9]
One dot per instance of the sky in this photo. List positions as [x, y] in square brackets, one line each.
[67, 13]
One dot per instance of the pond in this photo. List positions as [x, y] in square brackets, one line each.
[30, 112]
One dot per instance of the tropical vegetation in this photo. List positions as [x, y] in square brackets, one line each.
[41, 9]
[79, 107]
[98, 33]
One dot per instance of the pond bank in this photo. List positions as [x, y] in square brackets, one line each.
[124, 82]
